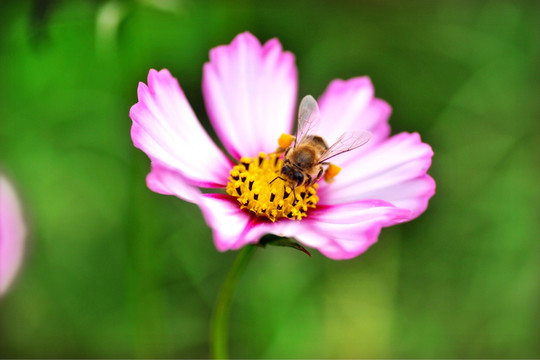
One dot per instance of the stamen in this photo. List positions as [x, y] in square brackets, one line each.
[251, 183]
[245, 161]
[286, 192]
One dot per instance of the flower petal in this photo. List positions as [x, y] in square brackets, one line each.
[338, 231]
[166, 129]
[250, 94]
[227, 221]
[170, 182]
[221, 212]
[351, 228]
[393, 171]
[12, 233]
[350, 105]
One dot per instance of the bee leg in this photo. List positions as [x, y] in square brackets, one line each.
[319, 175]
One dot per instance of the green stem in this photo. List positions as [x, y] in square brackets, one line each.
[220, 317]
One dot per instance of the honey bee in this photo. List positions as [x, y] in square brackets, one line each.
[305, 160]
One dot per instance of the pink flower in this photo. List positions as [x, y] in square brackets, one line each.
[250, 95]
[12, 233]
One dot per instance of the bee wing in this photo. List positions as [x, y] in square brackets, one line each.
[308, 117]
[346, 142]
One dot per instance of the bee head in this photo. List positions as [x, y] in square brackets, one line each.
[295, 176]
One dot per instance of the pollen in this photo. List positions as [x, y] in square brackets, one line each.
[331, 172]
[258, 188]
[285, 140]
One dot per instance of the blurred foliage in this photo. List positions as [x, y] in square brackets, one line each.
[114, 270]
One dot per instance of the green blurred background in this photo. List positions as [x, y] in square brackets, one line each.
[115, 270]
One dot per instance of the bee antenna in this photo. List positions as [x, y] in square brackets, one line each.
[277, 177]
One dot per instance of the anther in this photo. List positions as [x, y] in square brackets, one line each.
[245, 161]
[262, 156]
[286, 192]
[250, 182]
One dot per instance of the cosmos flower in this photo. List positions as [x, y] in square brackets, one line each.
[250, 96]
[12, 233]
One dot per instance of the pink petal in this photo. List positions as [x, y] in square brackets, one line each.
[227, 221]
[350, 105]
[393, 171]
[170, 182]
[166, 129]
[338, 231]
[12, 233]
[221, 212]
[250, 94]
[351, 228]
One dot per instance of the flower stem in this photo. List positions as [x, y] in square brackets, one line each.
[220, 317]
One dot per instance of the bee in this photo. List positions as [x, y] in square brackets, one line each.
[306, 160]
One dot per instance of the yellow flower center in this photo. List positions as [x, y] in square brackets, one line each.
[252, 183]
